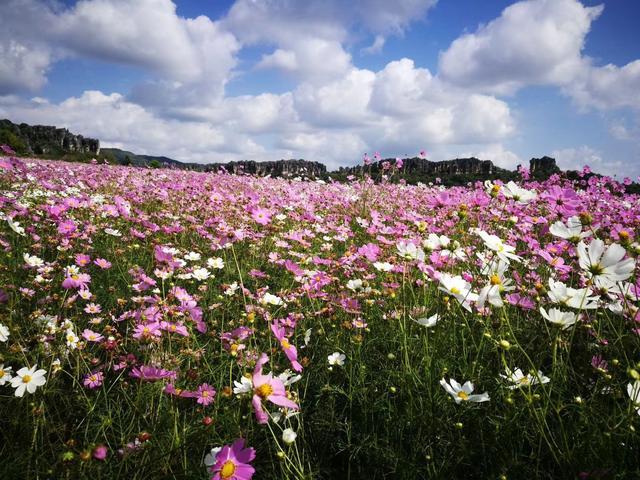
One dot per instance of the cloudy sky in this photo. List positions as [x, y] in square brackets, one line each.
[329, 80]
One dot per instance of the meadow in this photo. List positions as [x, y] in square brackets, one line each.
[174, 324]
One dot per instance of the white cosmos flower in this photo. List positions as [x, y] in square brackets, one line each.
[519, 194]
[462, 393]
[337, 358]
[216, 263]
[32, 260]
[200, 274]
[519, 379]
[355, 284]
[607, 264]
[571, 297]
[269, 299]
[383, 266]
[428, 322]
[245, 385]
[113, 232]
[15, 226]
[436, 242]
[231, 289]
[572, 231]
[28, 379]
[558, 317]
[289, 378]
[459, 288]
[493, 242]
[192, 256]
[289, 436]
[5, 374]
[4, 333]
[633, 390]
[409, 251]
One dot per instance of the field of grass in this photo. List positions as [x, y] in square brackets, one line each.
[173, 324]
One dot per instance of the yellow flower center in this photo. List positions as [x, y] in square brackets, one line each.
[455, 290]
[1, 373]
[205, 394]
[264, 390]
[26, 379]
[524, 381]
[495, 280]
[623, 234]
[228, 469]
[285, 344]
[463, 395]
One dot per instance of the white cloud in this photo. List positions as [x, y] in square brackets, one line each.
[145, 33]
[608, 87]
[375, 47]
[533, 42]
[575, 158]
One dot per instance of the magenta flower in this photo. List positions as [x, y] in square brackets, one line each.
[289, 350]
[100, 452]
[93, 380]
[148, 331]
[149, 373]
[67, 227]
[232, 462]
[205, 394]
[79, 280]
[82, 259]
[266, 387]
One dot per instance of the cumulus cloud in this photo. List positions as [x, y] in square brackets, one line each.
[533, 42]
[146, 33]
[575, 158]
[608, 87]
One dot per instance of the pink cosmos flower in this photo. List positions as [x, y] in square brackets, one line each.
[232, 462]
[79, 280]
[173, 327]
[66, 227]
[149, 373]
[91, 336]
[261, 216]
[93, 308]
[102, 263]
[289, 350]
[93, 380]
[82, 259]
[205, 394]
[148, 331]
[266, 387]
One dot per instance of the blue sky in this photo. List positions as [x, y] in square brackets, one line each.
[331, 80]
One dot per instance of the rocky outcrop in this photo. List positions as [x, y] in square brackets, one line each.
[41, 139]
[422, 166]
[545, 165]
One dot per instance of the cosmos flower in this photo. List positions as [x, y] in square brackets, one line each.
[4, 333]
[5, 374]
[519, 379]
[28, 379]
[459, 288]
[633, 390]
[289, 350]
[233, 462]
[428, 322]
[572, 231]
[268, 388]
[150, 373]
[93, 380]
[337, 358]
[205, 394]
[605, 263]
[462, 393]
[558, 317]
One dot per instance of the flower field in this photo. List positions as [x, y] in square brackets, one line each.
[175, 324]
